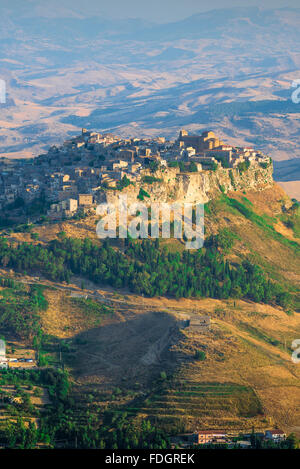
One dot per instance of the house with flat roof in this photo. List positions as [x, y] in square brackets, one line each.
[203, 437]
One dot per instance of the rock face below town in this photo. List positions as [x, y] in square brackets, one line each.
[199, 187]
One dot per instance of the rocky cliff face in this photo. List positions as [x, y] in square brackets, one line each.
[193, 187]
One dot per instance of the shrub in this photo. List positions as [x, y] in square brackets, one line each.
[200, 355]
[151, 179]
[244, 166]
[142, 194]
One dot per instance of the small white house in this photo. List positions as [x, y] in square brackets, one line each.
[275, 435]
[244, 444]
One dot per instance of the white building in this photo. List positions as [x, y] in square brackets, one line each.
[3, 359]
[275, 435]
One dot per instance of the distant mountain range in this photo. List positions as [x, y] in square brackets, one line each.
[230, 70]
[84, 22]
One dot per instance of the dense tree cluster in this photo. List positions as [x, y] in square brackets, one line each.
[66, 422]
[146, 268]
[20, 307]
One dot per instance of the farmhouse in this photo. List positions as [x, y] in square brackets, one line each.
[275, 435]
[209, 436]
[199, 323]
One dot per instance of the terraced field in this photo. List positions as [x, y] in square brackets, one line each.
[212, 404]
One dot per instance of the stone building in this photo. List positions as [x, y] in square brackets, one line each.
[85, 200]
[206, 141]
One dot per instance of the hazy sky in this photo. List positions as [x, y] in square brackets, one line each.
[172, 10]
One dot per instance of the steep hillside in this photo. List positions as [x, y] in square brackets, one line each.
[132, 355]
[267, 226]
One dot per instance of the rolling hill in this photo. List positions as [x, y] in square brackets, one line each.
[68, 70]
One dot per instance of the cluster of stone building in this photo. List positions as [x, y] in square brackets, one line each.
[229, 438]
[72, 175]
[207, 148]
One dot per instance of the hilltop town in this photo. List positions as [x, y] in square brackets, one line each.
[195, 342]
[149, 228]
[73, 178]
